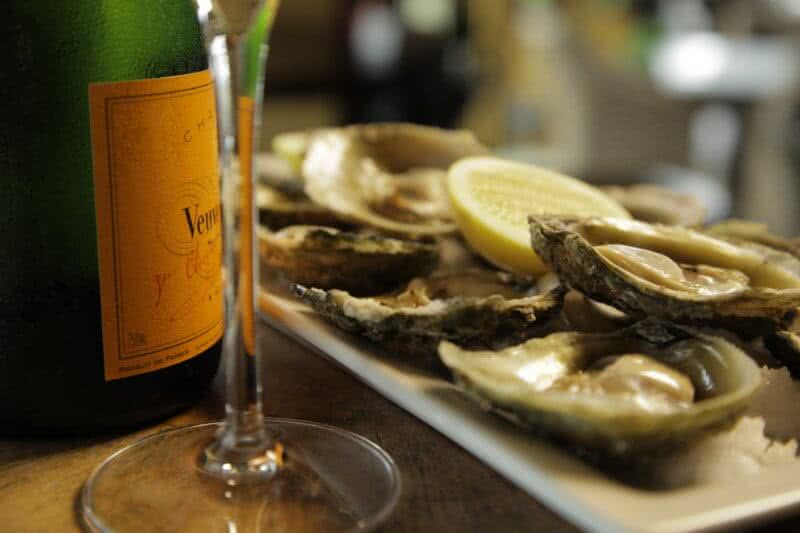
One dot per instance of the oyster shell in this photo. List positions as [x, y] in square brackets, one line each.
[388, 176]
[279, 174]
[668, 272]
[327, 258]
[291, 146]
[739, 231]
[456, 254]
[475, 307]
[277, 210]
[785, 347]
[583, 315]
[644, 388]
[653, 203]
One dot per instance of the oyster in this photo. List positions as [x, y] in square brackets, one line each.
[668, 272]
[277, 210]
[279, 174]
[644, 388]
[475, 307]
[359, 263]
[653, 203]
[755, 232]
[389, 176]
[291, 147]
[587, 316]
[785, 347]
[456, 254]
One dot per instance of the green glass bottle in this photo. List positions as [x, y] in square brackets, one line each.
[79, 269]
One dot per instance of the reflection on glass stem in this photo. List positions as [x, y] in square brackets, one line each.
[243, 447]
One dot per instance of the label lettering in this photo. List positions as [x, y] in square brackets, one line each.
[200, 223]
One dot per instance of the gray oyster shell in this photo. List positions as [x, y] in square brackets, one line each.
[474, 307]
[646, 388]
[584, 315]
[277, 210]
[716, 284]
[277, 173]
[291, 146]
[390, 177]
[652, 203]
[785, 347]
[359, 263]
[739, 231]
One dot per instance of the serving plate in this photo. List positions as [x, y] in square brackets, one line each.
[579, 493]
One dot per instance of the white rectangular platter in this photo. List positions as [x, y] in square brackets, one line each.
[576, 491]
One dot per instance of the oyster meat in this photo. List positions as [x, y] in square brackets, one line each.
[474, 307]
[329, 258]
[640, 389]
[389, 176]
[652, 203]
[668, 272]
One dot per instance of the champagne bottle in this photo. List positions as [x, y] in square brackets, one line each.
[110, 300]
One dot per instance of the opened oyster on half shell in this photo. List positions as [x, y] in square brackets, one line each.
[279, 174]
[739, 231]
[784, 345]
[582, 314]
[669, 272]
[474, 307]
[277, 210]
[291, 147]
[641, 389]
[653, 203]
[386, 176]
[356, 262]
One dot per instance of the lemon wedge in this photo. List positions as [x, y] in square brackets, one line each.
[493, 197]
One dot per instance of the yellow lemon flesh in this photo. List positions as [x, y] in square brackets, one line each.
[493, 197]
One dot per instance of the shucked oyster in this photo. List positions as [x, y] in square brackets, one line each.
[755, 232]
[587, 316]
[388, 176]
[277, 173]
[359, 263]
[474, 307]
[784, 346]
[668, 272]
[291, 147]
[277, 210]
[643, 388]
[652, 203]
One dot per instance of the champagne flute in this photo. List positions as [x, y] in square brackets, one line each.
[246, 473]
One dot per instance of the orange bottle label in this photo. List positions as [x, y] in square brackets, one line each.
[159, 222]
[246, 295]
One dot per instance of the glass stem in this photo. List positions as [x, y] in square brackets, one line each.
[243, 446]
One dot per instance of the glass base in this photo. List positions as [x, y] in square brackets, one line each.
[330, 480]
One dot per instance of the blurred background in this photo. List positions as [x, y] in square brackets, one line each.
[701, 96]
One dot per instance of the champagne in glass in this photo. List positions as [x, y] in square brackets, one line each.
[246, 473]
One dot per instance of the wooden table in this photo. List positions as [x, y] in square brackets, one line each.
[444, 488]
